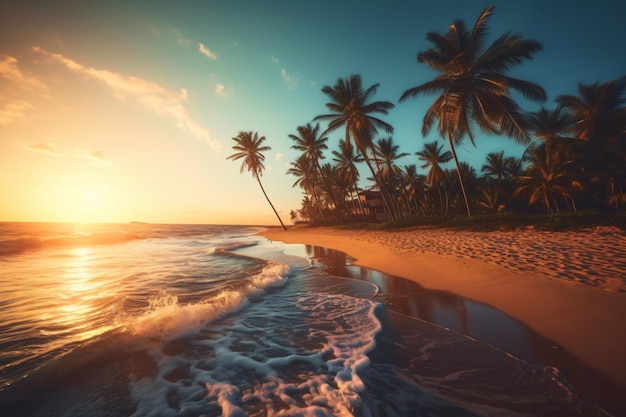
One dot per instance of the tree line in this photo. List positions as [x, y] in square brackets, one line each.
[575, 156]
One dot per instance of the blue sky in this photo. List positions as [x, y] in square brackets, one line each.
[118, 111]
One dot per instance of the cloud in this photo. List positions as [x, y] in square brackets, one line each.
[275, 60]
[205, 51]
[149, 95]
[289, 79]
[47, 148]
[13, 111]
[222, 91]
[97, 157]
[278, 156]
[180, 39]
[10, 71]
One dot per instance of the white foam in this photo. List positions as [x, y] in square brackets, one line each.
[226, 395]
[329, 387]
[167, 319]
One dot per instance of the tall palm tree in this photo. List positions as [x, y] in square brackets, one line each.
[306, 178]
[346, 159]
[472, 84]
[414, 186]
[312, 145]
[248, 146]
[350, 107]
[598, 110]
[550, 126]
[598, 116]
[433, 157]
[387, 152]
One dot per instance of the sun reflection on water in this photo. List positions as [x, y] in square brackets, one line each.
[81, 293]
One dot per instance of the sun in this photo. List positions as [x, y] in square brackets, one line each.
[90, 197]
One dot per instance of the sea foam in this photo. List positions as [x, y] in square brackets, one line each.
[167, 319]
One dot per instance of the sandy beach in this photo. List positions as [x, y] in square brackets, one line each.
[568, 286]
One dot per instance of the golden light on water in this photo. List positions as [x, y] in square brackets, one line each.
[81, 292]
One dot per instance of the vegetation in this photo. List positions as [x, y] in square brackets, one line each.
[248, 147]
[572, 173]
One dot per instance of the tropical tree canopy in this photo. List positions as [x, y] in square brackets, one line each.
[472, 84]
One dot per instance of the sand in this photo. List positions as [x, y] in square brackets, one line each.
[568, 286]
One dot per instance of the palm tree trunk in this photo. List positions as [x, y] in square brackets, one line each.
[268, 200]
[377, 180]
[447, 194]
[383, 191]
[458, 171]
[417, 209]
[358, 199]
[441, 202]
[329, 190]
[318, 204]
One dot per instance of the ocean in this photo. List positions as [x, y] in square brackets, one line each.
[199, 320]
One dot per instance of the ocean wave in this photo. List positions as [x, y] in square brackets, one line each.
[167, 319]
[300, 356]
[16, 246]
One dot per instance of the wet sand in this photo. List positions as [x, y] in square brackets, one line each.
[553, 298]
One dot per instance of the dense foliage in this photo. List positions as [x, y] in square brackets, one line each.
[575, 159]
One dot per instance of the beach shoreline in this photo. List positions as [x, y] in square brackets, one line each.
[569, 287]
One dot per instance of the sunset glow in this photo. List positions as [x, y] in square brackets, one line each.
[134, 123]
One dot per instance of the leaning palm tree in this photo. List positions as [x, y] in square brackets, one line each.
[473, 85]
[350, 107]
[248, 146]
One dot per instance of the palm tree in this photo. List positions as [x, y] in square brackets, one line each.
[414, 186]
[433, 157]
[473, 85]
[546, 179]
[346, 160]
[307, 180]
[550, 126]
[598, 112]
[497, 166]
[387, 152]
[312, 145]
[598, 116]
[248, 146]
[349, 106]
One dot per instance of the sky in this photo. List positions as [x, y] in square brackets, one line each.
[124, 111]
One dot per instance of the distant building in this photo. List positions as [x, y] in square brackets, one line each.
[373, 206]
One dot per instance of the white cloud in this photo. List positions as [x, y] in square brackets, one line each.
[13, 111]
[180, 39]
[148, 94]
[205, 51]
[47, 148]
[275, 60]
[97, 157]
[289, 79]
[10, 71]
[223, 91]
[278, 156]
